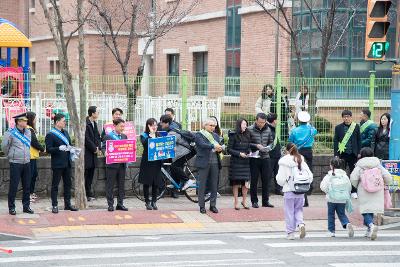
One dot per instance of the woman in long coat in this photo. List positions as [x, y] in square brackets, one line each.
[382, 138]
[150, 171]
[239, 170]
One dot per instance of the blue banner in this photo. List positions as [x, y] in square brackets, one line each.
[393, 166]
[161, 148]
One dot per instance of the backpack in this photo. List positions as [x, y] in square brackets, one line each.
[300, 181]
[186, 135]
[338, 189]
[372, 180]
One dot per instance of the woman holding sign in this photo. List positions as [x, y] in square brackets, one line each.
[150, 171]
[208, 161]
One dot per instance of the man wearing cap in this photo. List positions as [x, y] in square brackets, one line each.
[16, 146]
[303, 137]
[58, 144]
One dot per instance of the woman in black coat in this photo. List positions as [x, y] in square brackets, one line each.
[239, 170]
[150, 171]
[382, 138]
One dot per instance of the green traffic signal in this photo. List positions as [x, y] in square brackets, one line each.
[378, 49]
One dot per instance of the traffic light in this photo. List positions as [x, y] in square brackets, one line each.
[377, 27]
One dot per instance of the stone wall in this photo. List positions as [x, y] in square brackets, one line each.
[43, 184]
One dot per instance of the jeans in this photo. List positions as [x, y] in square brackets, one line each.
[368, 218]
[340, 209]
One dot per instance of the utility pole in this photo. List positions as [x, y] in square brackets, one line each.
[276, 38]
[394, 148]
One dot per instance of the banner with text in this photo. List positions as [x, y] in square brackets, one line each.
[161, 148]
[120, 151]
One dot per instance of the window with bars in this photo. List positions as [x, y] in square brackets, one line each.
[173, 74]
[200, 73]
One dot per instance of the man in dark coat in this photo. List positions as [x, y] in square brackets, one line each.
[115, 172]
[58, 144]
[92, 148]
[368, 129]
[347, 143]
[275, 153]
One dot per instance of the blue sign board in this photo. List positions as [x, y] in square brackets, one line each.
[393, 166]
[161, 148]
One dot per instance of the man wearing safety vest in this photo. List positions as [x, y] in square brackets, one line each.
[347, 143]
[368, 129]
[16, 146]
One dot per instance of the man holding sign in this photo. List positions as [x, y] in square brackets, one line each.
[115, 171]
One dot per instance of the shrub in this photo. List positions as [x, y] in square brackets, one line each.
[322, 125]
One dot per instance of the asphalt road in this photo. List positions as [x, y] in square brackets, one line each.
[254, 249]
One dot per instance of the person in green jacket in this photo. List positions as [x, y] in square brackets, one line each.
[368, 129]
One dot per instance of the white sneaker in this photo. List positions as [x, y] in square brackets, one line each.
[291, 236]
[302, 230]
[218, 195]
[331, 234]
[367, 233]
[374, 231]
[188, 184]
[350, 230]
[354, 195]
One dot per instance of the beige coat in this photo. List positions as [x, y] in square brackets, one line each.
[369, 202]
[263, 105]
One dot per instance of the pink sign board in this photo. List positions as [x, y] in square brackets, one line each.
[120, 151]
[129, 129]
[13, 109]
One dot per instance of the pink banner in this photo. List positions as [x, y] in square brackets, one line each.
[12, 109]
[120, 151]
[129, 129]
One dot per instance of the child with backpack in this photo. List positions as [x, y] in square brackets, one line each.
[295, 178]
[336, 184]
[370, 178]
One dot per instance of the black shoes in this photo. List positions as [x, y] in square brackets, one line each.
[28, 210]
[71, 208]
[54, 210]
[268, 205]
[12, 212]
[121, 207]
[255, 205]
[174, 194]
[153, 205]
[213, 209]
[203, 210]
[110, 208]
[148, 205]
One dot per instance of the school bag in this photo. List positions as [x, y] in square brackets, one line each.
[300, 181]
[372, 180]
[186, 135]
[338, 189]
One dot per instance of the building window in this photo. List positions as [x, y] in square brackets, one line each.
[33, 3]
[173, 74]
[54, 67]
[233, 43]
[33, 67]
[60, 90]
[201, 73]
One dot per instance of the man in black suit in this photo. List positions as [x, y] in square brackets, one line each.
[58, 144]
[116, 171]
[347, 143]
[92, 149]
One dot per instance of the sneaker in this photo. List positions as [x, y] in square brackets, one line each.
[374, 231]
[302, 230]
[331, 234]
[218, 195]
[367, 233]
[290, 236]
[34, 196]
[350, 230]
[207, 196]
[188, 184]
[354, 195]
[32, 199]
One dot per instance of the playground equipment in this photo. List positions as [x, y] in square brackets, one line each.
[14, 69]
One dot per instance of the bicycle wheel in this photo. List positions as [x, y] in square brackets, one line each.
[137, 187]
[192, 192]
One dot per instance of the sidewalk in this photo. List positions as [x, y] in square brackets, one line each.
[174, 216]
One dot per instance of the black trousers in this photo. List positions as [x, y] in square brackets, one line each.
[89, 174]
[115, 175]
[274, 171]
[154, 192]
[350, 161]
[19, 172]
[257, 167]
[34, 175]
[307, 153]
[65, 174]
[177, 170]
[208, 176]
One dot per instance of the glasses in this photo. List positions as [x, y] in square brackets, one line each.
[212, 125]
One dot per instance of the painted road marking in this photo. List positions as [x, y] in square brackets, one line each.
[118, 217]
[357, 253]
[71, 219]
[333, 244]
[82, 219]
[119, 245]
[125, 255]
[315, 235]
[23, 222]
[365, 264]
[225, 262]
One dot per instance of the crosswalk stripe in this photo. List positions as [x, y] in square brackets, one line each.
[314, 235]
[365, 264]
[124, 255]
[119, 245]
[333, 244]
[353, 253]
[192, 263]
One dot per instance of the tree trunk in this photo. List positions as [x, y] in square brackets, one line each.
[298, 55]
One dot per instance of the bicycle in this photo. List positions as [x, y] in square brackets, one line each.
[169, 183]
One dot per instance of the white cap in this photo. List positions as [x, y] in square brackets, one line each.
[303, 116]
